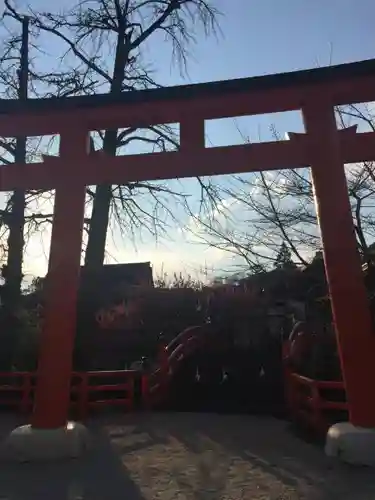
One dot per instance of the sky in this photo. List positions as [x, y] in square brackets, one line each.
[257, 37]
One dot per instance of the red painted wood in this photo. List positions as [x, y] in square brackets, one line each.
[350, 307]
[52, 397]
[142, 114]
[99, 168]
[192, 134]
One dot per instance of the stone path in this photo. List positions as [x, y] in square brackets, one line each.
[184, 456]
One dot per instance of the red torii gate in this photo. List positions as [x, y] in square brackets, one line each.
[323, 147]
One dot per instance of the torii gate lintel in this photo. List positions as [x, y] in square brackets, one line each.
[98, 168]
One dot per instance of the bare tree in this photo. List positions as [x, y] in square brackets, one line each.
[24, 213]
[260, 211]
[107, 42]
[12, 272]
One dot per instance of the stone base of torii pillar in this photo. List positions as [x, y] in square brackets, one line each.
[350, 444]
[28, 444]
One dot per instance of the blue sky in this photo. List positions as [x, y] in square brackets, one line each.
[258, 37]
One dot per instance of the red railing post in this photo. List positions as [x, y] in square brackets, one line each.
[145, 391]
[164, 360]
[316, 406]
[25, 403]
[83, 396]
[131, 391]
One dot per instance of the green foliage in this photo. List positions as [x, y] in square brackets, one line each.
[284, 258]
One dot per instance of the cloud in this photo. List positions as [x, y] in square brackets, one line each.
[195, 223]
[171, 257]
[178, 255]
[185, 251]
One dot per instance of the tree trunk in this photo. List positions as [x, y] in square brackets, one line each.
[18, 202]
[15, 248]
[16, 222]
[95, 250]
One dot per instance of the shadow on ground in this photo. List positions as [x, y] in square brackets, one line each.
[189, 456]
[99, 475]
[227, 456]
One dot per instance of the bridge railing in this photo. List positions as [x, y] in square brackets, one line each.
[314, 403]
[311, 402]
[91, 389]
[155, 384]
[17, 390]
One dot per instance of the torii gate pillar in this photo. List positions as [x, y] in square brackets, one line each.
[352, 317]
[50, 435]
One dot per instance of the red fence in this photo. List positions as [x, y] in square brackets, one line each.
[109, 388]
[16, 390]
[316, 404]
[88, 390]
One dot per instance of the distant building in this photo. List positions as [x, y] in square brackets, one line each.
[105, 281]
[130, 274]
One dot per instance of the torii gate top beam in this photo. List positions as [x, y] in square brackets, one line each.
[342, 84]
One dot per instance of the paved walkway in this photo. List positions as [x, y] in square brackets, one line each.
[188, 457]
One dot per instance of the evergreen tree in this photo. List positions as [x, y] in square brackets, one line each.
[284, 258]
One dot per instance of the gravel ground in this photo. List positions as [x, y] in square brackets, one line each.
[188, 456]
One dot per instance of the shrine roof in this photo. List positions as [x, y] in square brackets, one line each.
[330, 74]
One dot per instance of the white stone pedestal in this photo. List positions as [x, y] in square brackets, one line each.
[350, 444]
[26, 444]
